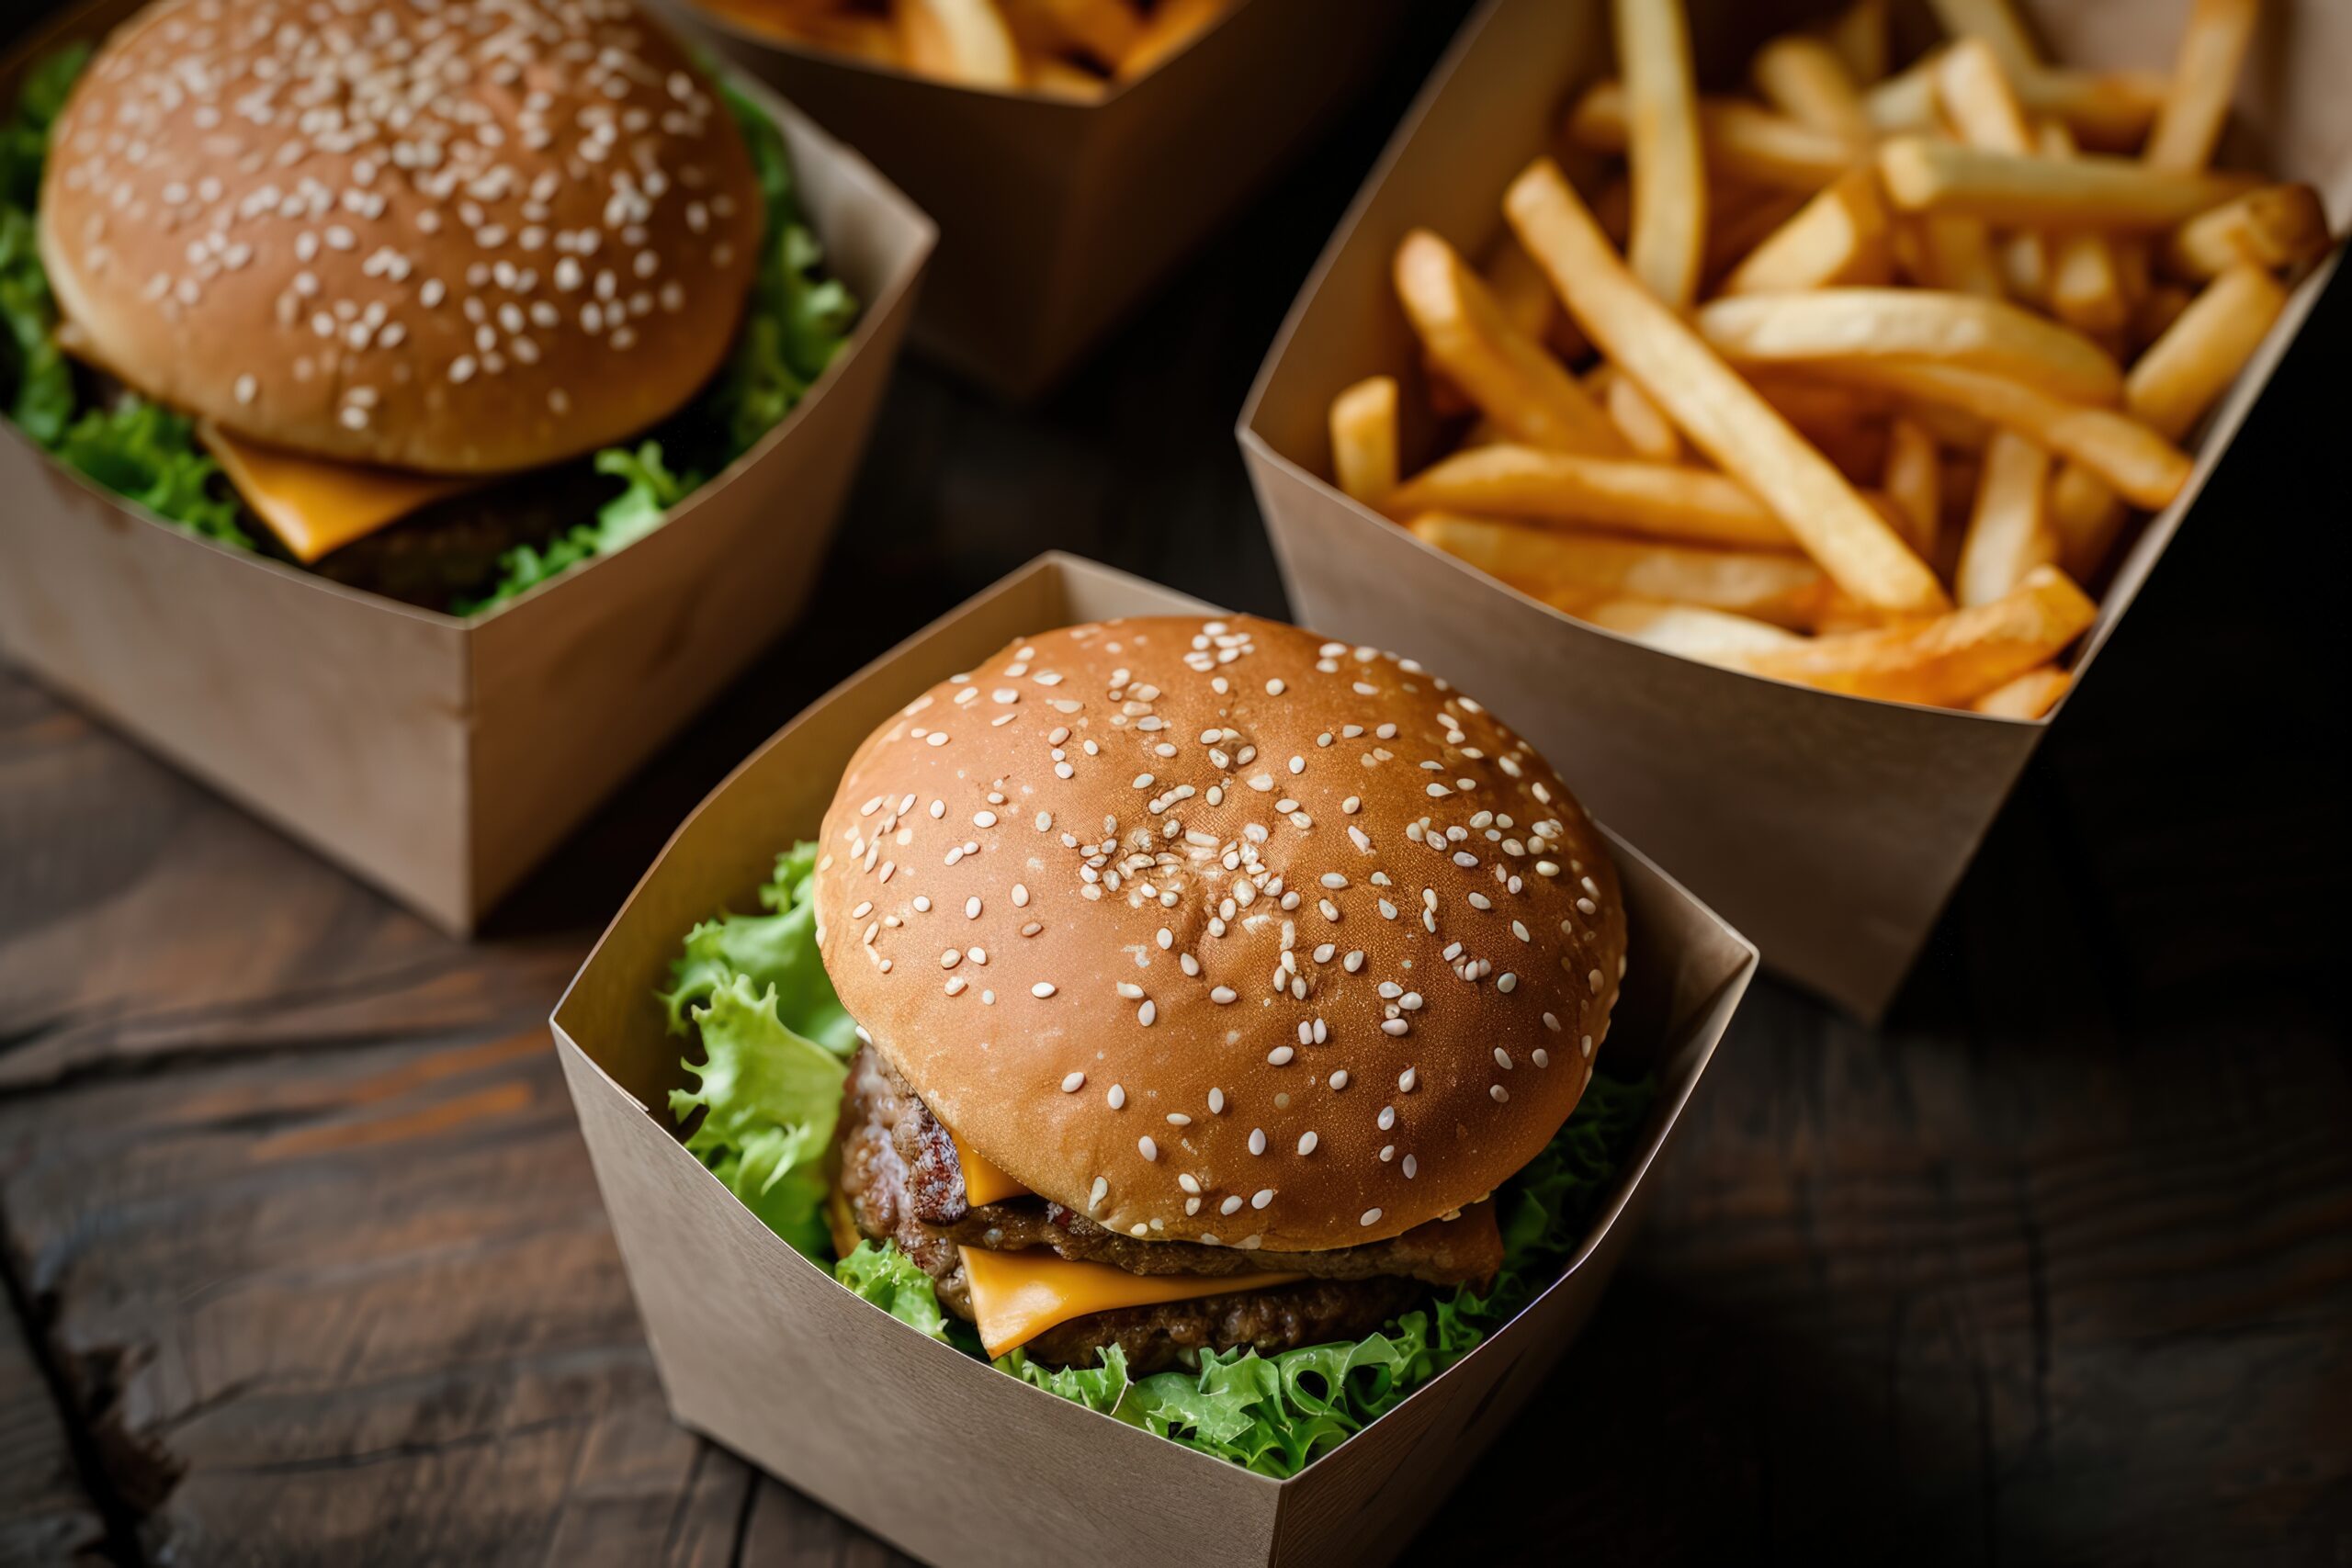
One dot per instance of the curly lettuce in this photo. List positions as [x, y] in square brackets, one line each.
[774, 1041]
[793, 322]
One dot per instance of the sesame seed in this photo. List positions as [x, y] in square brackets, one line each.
[1257, 1140]
[1412, 1167]
[1073, 1083]
[1221, 994]
[1371, 1217]
[1117, 1097]
[1306, 1142]
[1042, 989]
[1502, 1095]
[1280, 1056]
[1216, 1103]
[1178, 1118]
[1146, 1013]
[972, 908]
[1231, 1205]
[1146, 1148]
[1260, 1198]
[1406, 1079]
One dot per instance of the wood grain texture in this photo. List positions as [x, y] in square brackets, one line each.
[2053, 1269]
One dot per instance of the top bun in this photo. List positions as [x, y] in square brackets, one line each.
[1217, 932]
[460, 237]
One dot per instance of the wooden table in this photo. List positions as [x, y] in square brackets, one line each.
[304, 1263]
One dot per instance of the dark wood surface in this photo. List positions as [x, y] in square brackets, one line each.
[303, 1261]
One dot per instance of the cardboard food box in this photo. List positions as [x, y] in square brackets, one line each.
[1831, 828]
[760, 1349]
[1056, 216]
[440, 758]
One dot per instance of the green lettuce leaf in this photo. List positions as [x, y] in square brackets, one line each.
[895, 1283]
[768, 1097]
[1102, 1388]
[149, 454]
[649, 489]
[776, 949]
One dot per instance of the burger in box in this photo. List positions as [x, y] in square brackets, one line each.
[433, 300]
[1196, 1018]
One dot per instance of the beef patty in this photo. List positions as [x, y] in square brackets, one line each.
[901, 1181]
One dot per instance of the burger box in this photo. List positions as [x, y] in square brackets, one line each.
[1056, 216]
[761, 1351]
[438, 757]
[1831, 828]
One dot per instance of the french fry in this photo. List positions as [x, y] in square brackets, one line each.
[1104, 31]
[2157, 311]
[2120, 449]
[1511, 380]
[1735, 230]
[1649, 434]
[1910, 324]
[1805, 79]
[1668, 240]
[957, 41]
[2108, 109]
[1993, 22]
[1859, 35]
[1655, 500]
[2182, 374]
[2086, 288]
[1173, 25]
[1721, 413]
[1363, 438]
[1737, 141]
[2281, 226]
[1525, 297]
[2030, 695]
[1840, 236]
[2094, 190]
[1570, 569]
[1711, 637]
[2204, 74]
[1915, 483]
[1949, 660]
[873, 39]
[1977, 99]
[2008, 528]
[1955, 252]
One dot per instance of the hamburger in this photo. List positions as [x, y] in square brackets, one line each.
[1201, 985]
[431, 296]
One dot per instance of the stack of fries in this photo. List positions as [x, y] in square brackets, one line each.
[1076, 48]
[1854, 382]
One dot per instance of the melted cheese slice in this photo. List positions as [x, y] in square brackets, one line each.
[984, 1183]
[317, 506]
[1018, 1295]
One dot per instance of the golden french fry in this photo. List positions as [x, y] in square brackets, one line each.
[1737, 225]
[1525, 297]
[1993, 22]
[2204, 74]
[2281, 226]
[2182, 374]
[2093, 190]
[1513, 381]
[2121, 450]
[1721, 413]
[1915, 483]
[2086, 288]
[1649, 434]
[1104, 31]
[1711, 637]
[957, 41]
[1668, 240]
[1571, 569]
[1978, 101]
[1806, 79]
[1737, 141]
[2157, 311]
[1055, 77]
[1955, 252]
[2030, 695]
[1840, 236]
[1363, 438]
[1173, 24]
[1948, 660]
[1925, 324]
[2108, 109]
[1656, 499]
[2008, 528]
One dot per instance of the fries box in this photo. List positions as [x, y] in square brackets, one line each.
[1831, 828]
[1056, 216]
[761, 1351]
[441, 758]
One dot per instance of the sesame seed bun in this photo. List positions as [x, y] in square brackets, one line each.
[462, 238]
[1218, 931]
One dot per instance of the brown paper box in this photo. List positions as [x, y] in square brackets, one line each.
[1830, 829]
[1056, 217]
[441, 758]
[760, 1349]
